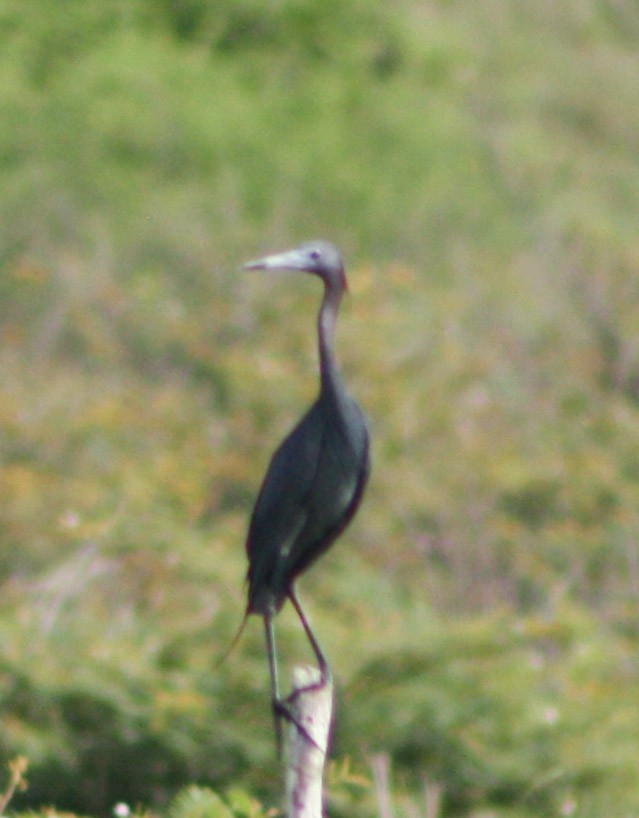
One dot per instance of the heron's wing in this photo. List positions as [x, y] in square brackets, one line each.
[310, 492]
[334, 494]
[281, 511]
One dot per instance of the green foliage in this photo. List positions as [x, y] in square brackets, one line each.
[199, 802]
[477, 163]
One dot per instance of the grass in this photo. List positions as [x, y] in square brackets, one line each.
[477, 166]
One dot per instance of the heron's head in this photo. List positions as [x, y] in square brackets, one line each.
[318, 257]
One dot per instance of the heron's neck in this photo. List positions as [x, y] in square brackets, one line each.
[326, 321]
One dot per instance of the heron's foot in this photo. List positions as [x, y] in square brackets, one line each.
[282, 707]
[320, 684]
[282, 710]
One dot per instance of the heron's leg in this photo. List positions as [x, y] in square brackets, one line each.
[269, 630]
[280, 706]
[324, 667]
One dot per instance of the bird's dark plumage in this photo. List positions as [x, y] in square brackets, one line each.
[317, 476]
[312, 489]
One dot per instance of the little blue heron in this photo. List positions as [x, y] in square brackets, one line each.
[316, 478]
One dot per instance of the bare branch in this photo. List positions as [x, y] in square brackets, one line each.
[311, 704]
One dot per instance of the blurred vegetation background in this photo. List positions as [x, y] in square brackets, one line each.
[477, 163]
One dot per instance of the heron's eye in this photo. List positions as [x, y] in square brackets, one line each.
[314, 254]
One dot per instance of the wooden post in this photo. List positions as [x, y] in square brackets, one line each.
[313, 710]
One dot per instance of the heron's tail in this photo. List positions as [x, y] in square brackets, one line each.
[235, 639]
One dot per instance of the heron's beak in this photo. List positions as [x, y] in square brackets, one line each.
[290, 260]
